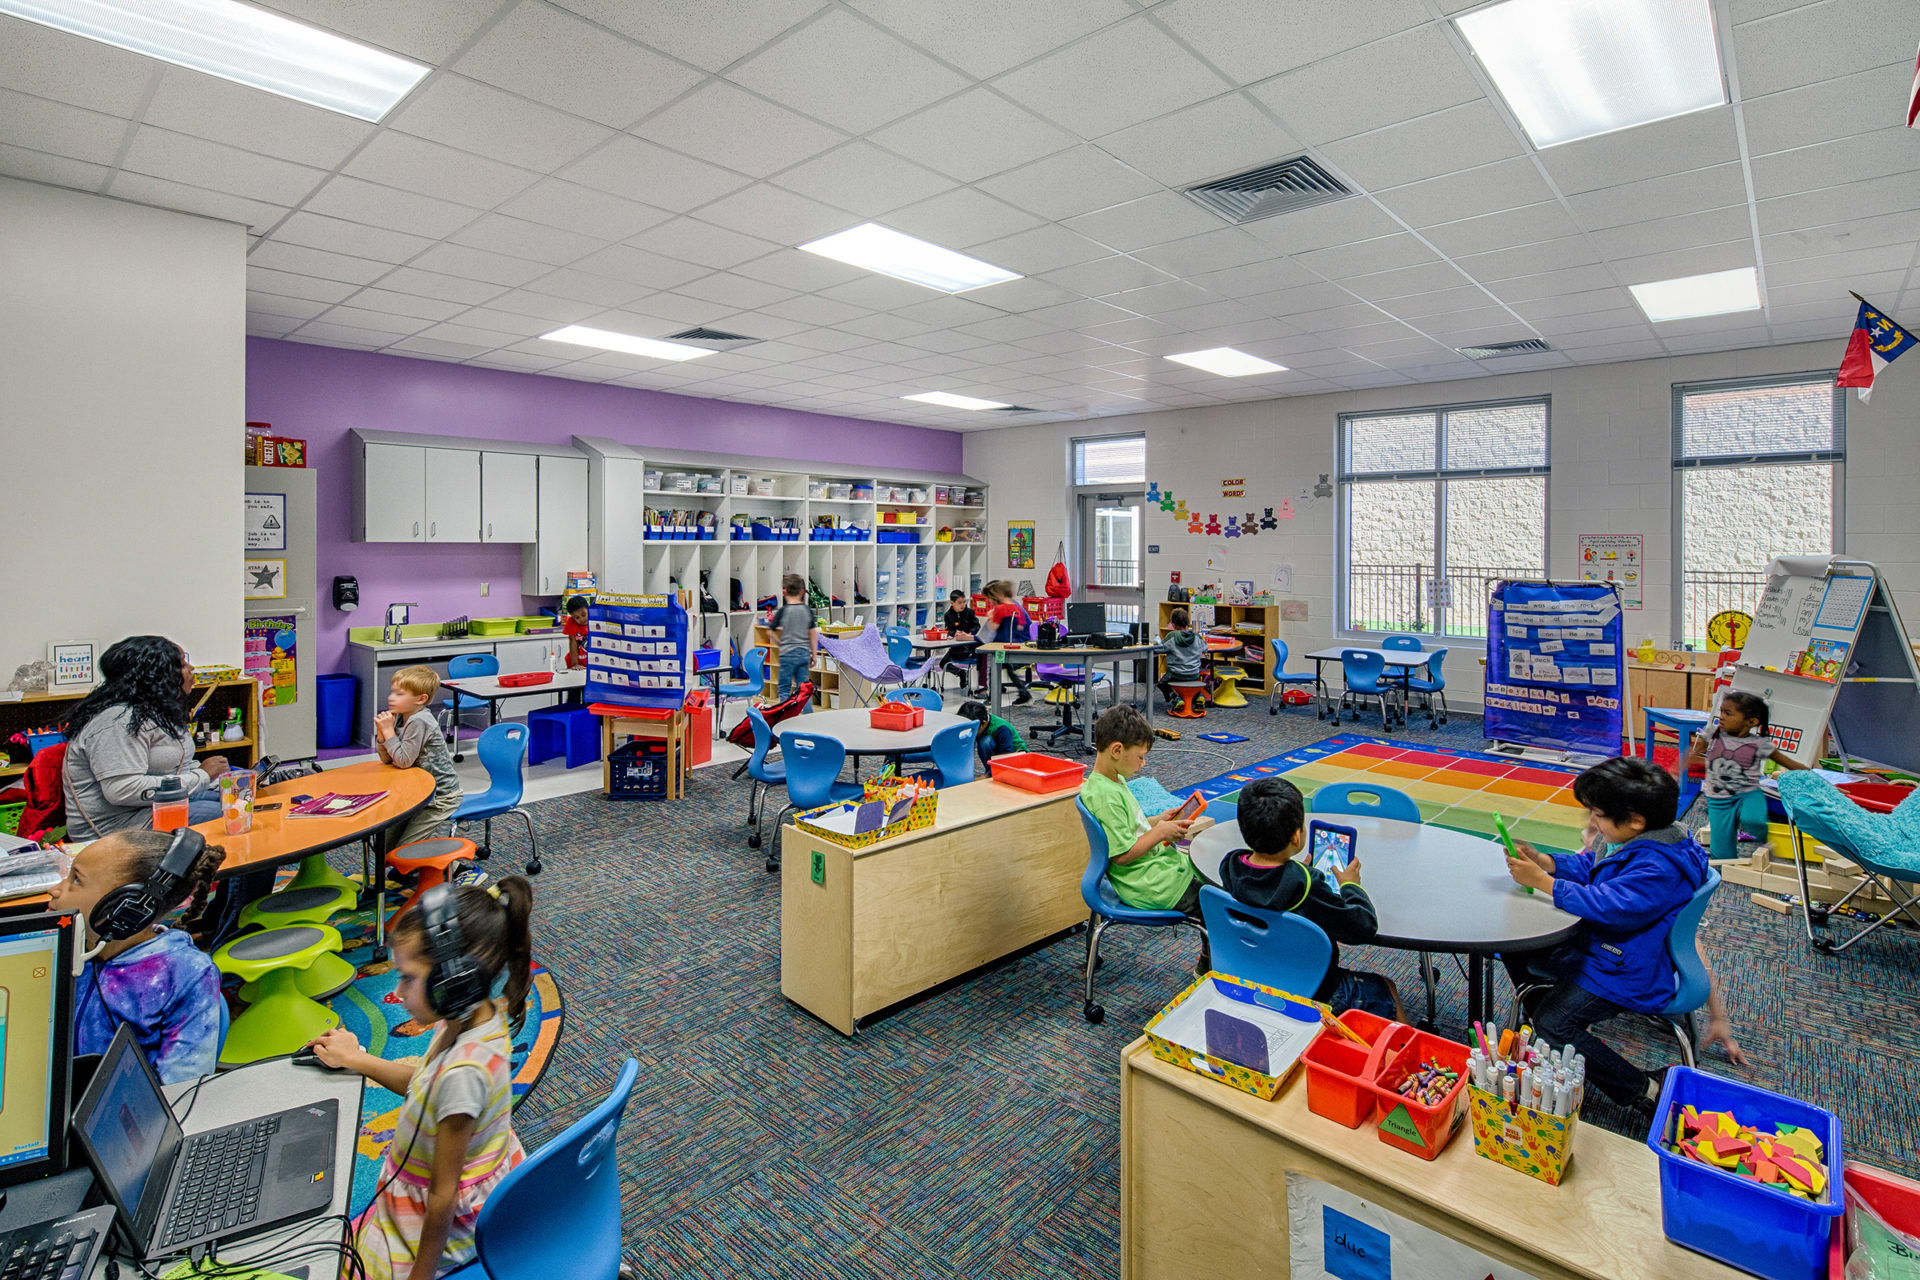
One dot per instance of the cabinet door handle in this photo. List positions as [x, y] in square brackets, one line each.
[416, 528]
[433, 528]
[489, 528]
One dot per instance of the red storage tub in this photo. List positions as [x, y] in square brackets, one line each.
[1032, 771]
[1895, 1199]
[1876, 797]
[524, 678]
[896, 716]
[1404, 1122]
[1340, 1073]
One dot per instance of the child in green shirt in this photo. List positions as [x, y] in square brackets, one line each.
[1144, 867]
[997, 737]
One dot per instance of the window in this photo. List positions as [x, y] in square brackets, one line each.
[1437, 506]
[1116, 545]
[1110, 460]
[1757, 473]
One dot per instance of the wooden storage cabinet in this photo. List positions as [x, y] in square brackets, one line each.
[1265, 616]
[207, 701]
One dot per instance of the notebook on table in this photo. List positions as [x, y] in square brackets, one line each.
[335, 805]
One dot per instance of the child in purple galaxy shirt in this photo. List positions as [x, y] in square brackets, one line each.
[156, 982]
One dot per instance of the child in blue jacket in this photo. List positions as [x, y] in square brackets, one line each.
[1628, 894]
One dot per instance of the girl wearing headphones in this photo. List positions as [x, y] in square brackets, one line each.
[454, 1139]
[144, 974]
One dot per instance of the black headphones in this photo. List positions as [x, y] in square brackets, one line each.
[455, 985]
[130, 908]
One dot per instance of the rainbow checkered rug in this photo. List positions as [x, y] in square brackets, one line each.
[1458, 789]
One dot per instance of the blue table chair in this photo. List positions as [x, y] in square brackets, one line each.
[754, 663]
[952, 755]
[1283, 679]
[765, 774]
[1277, 949]
[1365, 675]
[503, 752]
[1430, 683]
[462, 666]
[1106, 908]
[813, 762]
[915, 695]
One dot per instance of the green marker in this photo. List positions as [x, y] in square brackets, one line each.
[1500, 825]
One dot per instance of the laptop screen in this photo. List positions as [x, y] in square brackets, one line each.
[127, 1127]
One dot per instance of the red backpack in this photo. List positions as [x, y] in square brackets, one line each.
[46, 798]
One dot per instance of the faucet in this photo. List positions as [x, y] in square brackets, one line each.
[390, 633]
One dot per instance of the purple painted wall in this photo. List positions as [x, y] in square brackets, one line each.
[318, 394]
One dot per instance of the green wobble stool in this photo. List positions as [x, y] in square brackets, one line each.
[282, 1018]
[315, 895]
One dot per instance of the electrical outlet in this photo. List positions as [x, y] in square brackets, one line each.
[486, 588]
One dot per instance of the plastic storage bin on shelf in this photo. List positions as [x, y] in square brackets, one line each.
[1406, 1123]
[333, 720]
[1340, 1073]
[493, 626]
[1758, 1228]
[1032, 771]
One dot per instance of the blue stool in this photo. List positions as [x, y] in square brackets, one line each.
[572, 731]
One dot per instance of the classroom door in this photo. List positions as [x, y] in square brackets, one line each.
[1111, 566]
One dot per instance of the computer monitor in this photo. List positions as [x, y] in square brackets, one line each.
[36, 1044]
[1086, 618]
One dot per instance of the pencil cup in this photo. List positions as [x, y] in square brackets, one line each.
[236, 800]
[1537, 1143]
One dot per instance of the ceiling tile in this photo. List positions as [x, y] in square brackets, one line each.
[406, 304]
[1402, 282]
[1685, 232]
[1508, 184]
[691, 240]
[1670, 196]
[1694, 141]
[801, 272]
[1254, 277]
[479, 265]
[1210, 251]
[729, 126]
[1119, 76]
[1031, 293]
[317, 231]
[1159, 299]
[974, 135]
[542, 306]
[523, 239]
[774, 213]
[1835, 266]
[1829, 109]
[1284, 303]
[1153, 219]
[1573, 304]
[1549, 284]
[1323, 226]
[356, 201]
[1858, 200]
[1819, 42]
[861, 177]
[1209, 140]
[39, 124]
[425, 30]
[340, 335]
[847, 72]
[593, 286]
[433, 284]
[960, 219]
[1363, 257]
[1394, 80]
[1837, 237]
[1862, 157]
[480, 118]
[1457, 138]
[625, 262]
[1527, 225]
[555, 58]
[212, 204]
[1044, 248]
[430, 169]
[1243, 38]
[571, 207]
[950, 312]
[814, 310]
[985, 37]
[292, 285]
[1079, 180]
[59, 171]
[252, 119]
[386, 322]
[639, 170]
[1530, 259]
[179, 157]
[421, 345]
[73, 69]
[707, 33]
[272, 304]
[738, 292]
[1683, 262]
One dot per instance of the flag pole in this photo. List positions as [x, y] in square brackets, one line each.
[1857, 296]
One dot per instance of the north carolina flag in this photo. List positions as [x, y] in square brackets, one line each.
[1876, 343]
[1913, 99]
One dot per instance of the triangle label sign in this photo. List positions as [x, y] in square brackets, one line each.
[1401, 1125]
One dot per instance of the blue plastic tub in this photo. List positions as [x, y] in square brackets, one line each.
[334, 697]
[1745, 1224]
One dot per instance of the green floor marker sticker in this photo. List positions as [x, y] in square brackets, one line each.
[1401, 1125]
[819, 867]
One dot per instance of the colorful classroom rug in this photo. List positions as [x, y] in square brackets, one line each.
[371, 1009]
[1462, 790]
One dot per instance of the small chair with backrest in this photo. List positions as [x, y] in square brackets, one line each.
[463, 666]
[1397, 675]
[899, 648]
[1277, 949]
[952, 755]
[1430, 683]
[754, 663]
[1106, 909]
[568, 1190]
[813, 762]
[1366, 800]
[1364, 674]
[1283, 679]
[915, 695]
[503, 752]
[1692, 984]
[765, 774]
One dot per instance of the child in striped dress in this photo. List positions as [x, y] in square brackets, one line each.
[454, 1140]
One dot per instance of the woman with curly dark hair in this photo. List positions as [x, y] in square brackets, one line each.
[129, 737]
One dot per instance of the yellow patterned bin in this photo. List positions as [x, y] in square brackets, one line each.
[885, 810]
[1536, 1143]
[1237, 1032]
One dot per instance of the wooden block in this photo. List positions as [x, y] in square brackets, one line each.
[1770, 903]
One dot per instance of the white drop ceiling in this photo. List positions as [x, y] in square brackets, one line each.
[648, 167]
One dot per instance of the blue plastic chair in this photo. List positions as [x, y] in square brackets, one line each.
[1402, 643]
[755, 665]
[1365, 676]
[900, 649]
[1282, 678]
[1277, 949]
[1365, 800]
[503, 753]
[1430, 685]
[813, 762]
[917, 696]
[567, 1190]
[762, 772]
[1106, 908]
[460, 667]
[952, 755]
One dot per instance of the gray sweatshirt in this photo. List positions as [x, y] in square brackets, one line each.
[111, 773]
[1184, 650]
[417, 743]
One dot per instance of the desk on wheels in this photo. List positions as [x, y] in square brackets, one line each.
[1435, 890]
[998, 870]
[1203, 1189]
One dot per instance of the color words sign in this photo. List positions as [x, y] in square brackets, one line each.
[1233, 488]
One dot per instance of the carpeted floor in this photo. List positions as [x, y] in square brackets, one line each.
[976, 1132]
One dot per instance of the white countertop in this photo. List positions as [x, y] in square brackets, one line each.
[433, 645]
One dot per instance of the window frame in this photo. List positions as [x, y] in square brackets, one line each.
[1117, 490]
[1835, 458]
[1345, 479]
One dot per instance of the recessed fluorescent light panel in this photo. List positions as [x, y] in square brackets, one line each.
[1573, 69]
[606, 339]
[1713, 294]
[873, 247]
[947, 400]
[243, 44]
[1228, 363]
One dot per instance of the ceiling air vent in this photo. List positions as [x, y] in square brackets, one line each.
[1012, 408]
[1285, 186]
[1524, 347]
[712, 339]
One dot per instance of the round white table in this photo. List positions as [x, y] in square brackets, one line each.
[855, 731]
[1433, 889]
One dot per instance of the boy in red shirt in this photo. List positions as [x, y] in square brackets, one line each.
[574, 627]
[1011, 624]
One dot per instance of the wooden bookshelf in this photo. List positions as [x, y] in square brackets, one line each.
[1265, 616]
[44, 710]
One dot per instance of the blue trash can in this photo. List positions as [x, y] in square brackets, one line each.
[334, 721]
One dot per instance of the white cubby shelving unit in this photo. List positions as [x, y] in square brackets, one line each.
[882, 582]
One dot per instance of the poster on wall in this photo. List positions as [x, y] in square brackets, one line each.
[1618, 558]
[73, 664]
[272, 658]
[266, 515]
[1335, 1235]
[266, 580]
[1020, 544]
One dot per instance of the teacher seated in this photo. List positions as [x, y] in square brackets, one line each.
[129, 737]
